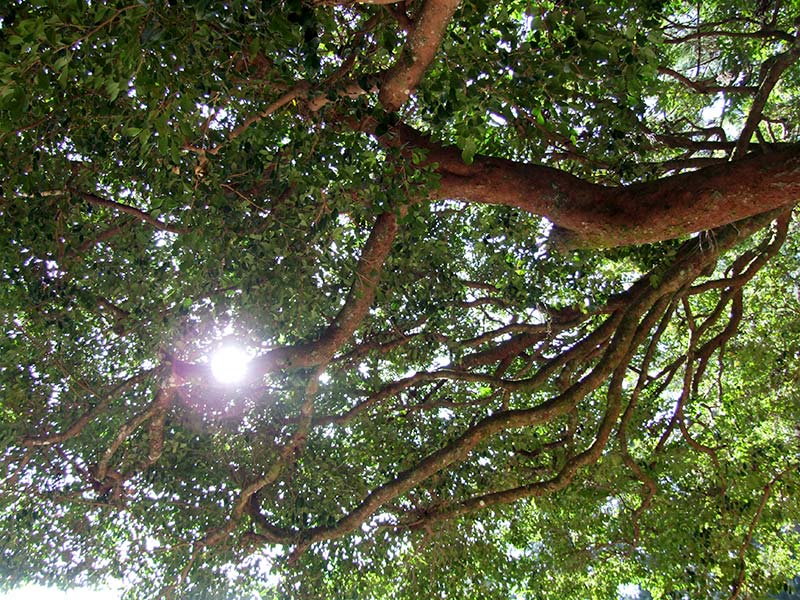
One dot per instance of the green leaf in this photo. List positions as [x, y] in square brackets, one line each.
[112, 89]
[468, 149]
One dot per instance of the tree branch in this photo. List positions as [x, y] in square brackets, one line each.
[706, 87]
[355, 308]
[402, 78]
[589, 215]
[771, 72]
[87, 417]
[140, 214]
[162, 400]
[767, 492]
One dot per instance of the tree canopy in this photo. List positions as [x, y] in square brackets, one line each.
[517, 284]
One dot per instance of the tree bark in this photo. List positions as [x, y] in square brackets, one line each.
[588, 215]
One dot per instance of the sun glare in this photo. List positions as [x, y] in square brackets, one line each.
[229, 364]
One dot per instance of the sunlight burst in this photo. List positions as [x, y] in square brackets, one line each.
[229, 364]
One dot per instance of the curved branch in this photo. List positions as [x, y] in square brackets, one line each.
[423, 42]
[87, 417]
[289, 453]
[564, 476]
[740, 576]
[131, 210]
[650, 488]
[771, 72]
[355, 308]
[590, 215]
[768, 249]
[707, 87]
[160, 403]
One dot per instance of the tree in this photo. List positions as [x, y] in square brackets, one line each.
[519, 282]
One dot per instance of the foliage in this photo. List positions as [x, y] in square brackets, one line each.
[440, 403]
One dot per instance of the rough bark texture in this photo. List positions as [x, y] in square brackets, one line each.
[588, 215]
[423, 43]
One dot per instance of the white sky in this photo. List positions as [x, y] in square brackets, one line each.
[36, 592]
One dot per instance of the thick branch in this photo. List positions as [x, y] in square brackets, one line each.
[590, 215]
[423, 42]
